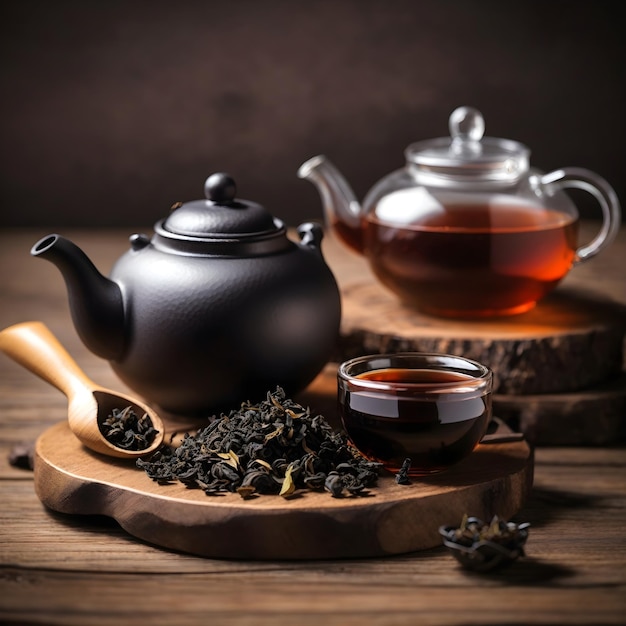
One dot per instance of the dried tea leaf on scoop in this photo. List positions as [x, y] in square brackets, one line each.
[127, 430]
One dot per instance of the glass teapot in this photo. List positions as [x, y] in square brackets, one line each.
[467, 228]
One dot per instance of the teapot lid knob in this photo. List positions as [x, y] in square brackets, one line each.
[466, 124]
[220, 188]
[220, 214]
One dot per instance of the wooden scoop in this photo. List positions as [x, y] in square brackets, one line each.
[32, 345]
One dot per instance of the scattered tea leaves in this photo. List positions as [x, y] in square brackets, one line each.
[484, 547]
[274, 447]
[473, 530]
[402, 477]
[22, 455]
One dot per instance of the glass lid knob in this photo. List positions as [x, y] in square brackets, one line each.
[466, 124]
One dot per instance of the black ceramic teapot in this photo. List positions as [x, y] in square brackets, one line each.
[217, 307]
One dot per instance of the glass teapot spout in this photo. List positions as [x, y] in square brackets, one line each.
[341, 208]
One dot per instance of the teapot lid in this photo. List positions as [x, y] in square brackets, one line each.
[220, 215]
[467, 156]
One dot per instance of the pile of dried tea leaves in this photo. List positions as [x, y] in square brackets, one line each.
[127, 430]
[274, 447]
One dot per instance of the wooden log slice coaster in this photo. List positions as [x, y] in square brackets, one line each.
[592, 417]
[569, 341]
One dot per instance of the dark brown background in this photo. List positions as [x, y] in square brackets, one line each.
[111, 111]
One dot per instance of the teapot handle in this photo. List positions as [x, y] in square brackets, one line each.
[580, 178]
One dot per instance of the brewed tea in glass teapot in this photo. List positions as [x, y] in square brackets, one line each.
[467, 228]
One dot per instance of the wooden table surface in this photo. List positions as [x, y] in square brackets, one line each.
[57, 569]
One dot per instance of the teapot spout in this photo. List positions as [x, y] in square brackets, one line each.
[342, 210]
[96, 302]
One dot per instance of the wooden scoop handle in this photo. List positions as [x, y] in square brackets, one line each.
[34, 346]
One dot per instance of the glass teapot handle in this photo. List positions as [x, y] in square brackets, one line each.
[580, 178]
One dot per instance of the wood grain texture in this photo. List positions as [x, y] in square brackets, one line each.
[568, 342]
[64, 569]
[594, 416]
[393, 598]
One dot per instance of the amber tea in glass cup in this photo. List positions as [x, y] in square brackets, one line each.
[431, 408]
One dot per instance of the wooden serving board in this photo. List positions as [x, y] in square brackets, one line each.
[569, 341]
[392, 519]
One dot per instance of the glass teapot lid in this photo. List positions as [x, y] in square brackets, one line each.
[467, 156]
